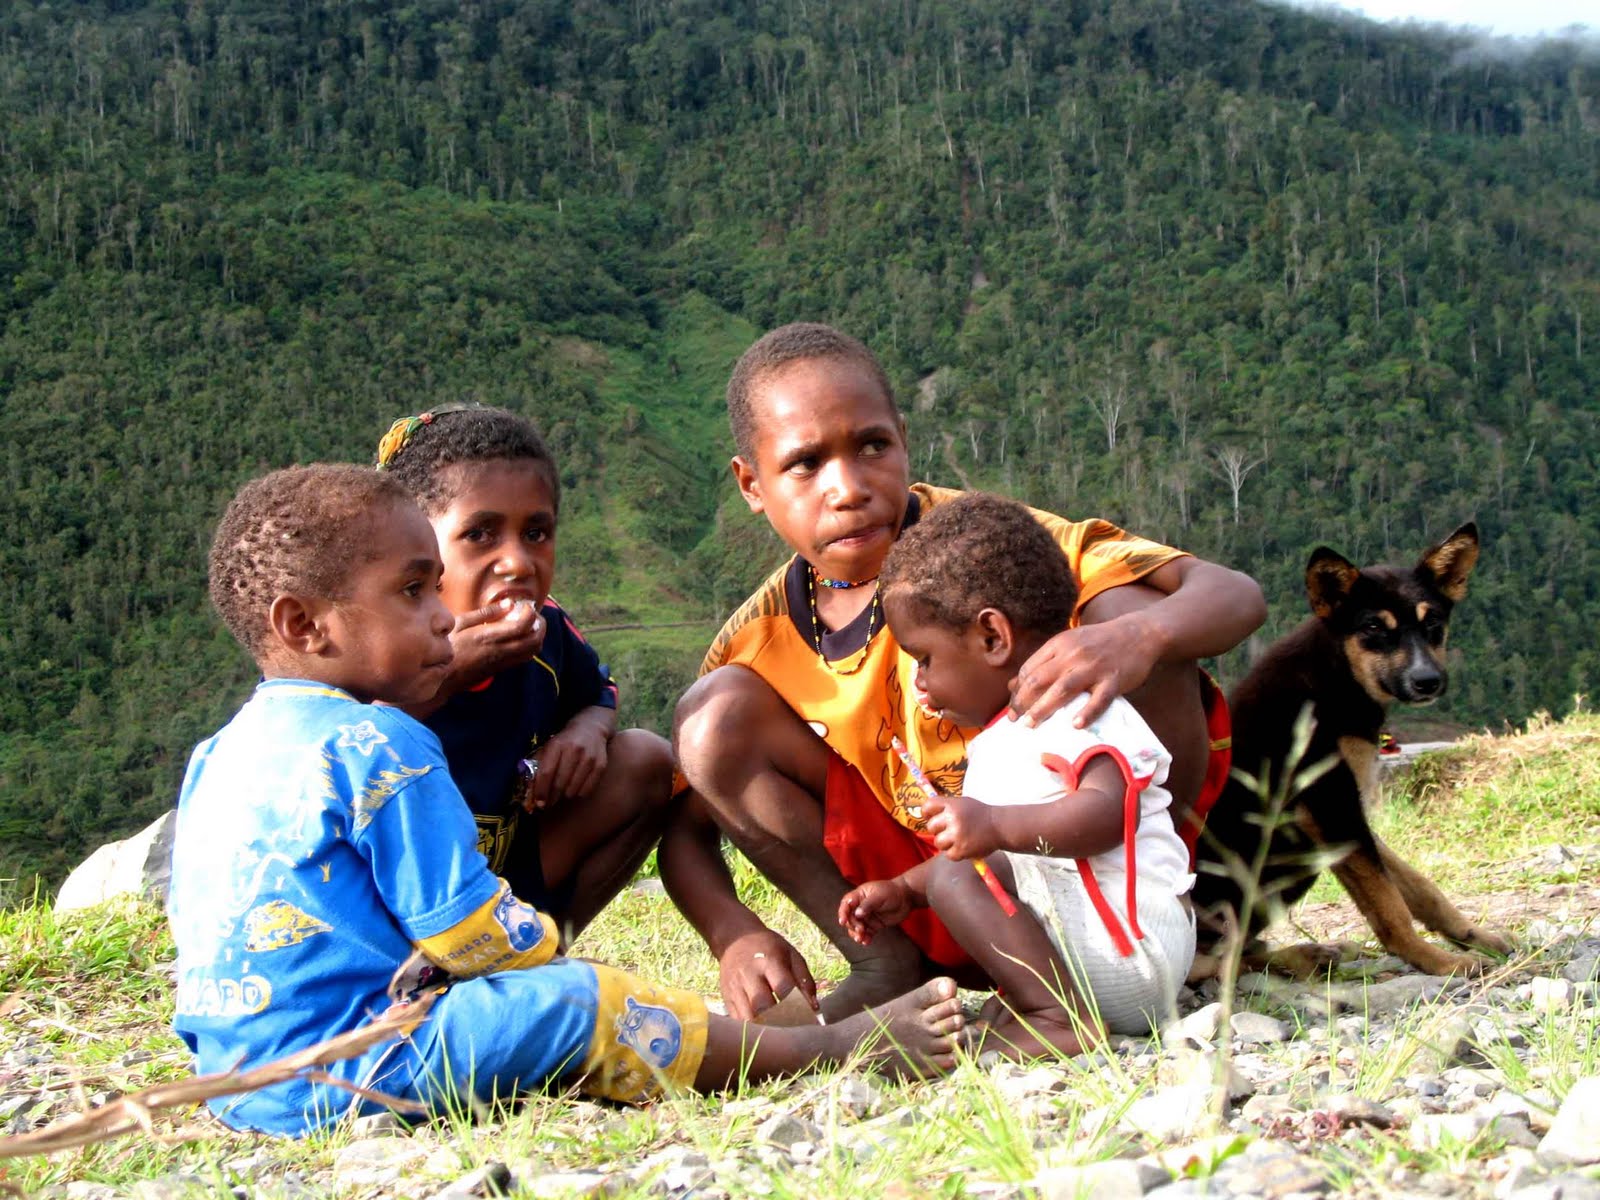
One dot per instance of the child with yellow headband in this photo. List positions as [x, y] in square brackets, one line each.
[567, 807]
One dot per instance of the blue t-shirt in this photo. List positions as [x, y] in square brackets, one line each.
[487, 732]
[318, 839]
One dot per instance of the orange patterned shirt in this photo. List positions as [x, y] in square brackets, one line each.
[858, 714]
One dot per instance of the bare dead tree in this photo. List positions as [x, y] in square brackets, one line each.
[1110, 401]
[1234, 466]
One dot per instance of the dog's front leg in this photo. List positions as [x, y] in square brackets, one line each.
[1385, 909]
[1433, 908]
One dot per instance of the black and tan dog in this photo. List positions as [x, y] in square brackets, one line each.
[1377, 638]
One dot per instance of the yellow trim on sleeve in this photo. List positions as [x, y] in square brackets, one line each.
[503, 934]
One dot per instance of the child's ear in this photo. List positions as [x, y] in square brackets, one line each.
[297, 624]
[998, 639]
[749, 485]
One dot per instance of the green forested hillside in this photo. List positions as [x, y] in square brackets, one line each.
[1240, 277]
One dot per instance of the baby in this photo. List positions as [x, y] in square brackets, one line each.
[1074, 821]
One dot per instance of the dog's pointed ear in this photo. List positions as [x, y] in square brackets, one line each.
[1329, 578]
[1452, 560]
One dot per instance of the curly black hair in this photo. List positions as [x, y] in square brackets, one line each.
[299, 530]
[416, 450]
[982, 551]
[776, 350]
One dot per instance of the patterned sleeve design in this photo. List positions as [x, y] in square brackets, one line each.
[503, 934]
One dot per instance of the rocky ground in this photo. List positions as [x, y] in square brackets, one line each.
[1384, 1083]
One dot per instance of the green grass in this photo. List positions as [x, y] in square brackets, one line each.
[1504, 797]
[95, 990]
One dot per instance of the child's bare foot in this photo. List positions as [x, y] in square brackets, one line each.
[1057, 1032]
[915, 1034]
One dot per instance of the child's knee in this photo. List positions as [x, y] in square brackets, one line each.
[717, 712]
[643, 760]
[946, 882]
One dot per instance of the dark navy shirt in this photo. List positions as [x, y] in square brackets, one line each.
[486, 732]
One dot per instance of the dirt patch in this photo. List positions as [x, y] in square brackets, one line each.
[1511, 911]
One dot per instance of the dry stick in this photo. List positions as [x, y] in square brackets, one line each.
[130, 1113]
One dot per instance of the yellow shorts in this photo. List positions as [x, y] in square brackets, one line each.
[645, 1039]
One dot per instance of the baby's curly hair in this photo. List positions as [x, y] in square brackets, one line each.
[982, 551]
[416, 450]
[299, 530]
[776, 350]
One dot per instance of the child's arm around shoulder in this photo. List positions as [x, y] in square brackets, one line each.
[1181, 611]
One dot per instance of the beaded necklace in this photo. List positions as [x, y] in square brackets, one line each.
[840, 585]
[816, 626]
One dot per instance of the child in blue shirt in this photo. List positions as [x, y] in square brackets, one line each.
[566, 806]
[325, 865]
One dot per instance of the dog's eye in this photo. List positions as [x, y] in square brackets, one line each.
[1375, 629]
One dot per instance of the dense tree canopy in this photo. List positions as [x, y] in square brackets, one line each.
[1244, 278]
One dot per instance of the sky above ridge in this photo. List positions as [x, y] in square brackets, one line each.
[1524, 19]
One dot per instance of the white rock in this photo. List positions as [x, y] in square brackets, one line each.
[1550, 995]
[1199, 1027]
[1443, 1129]
[1256, 1029]
[855, 1099]
[138, 866]
[1574, 1137]
[1176, 1113]
[786, 1129]
[1114, 1179]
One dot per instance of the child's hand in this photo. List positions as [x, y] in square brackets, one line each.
[1107, 659]
[570, 765]
[758, 970]
[874, 906]
[490, 639]
[961, 826]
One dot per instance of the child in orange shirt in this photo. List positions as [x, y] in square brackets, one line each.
[785, 738]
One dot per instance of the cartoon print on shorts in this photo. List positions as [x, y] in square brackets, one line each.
[277, 924]
[520, 921]
[653, 1033]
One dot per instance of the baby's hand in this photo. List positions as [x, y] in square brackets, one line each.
[874, 906]
[961, 826]
[490, 639]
